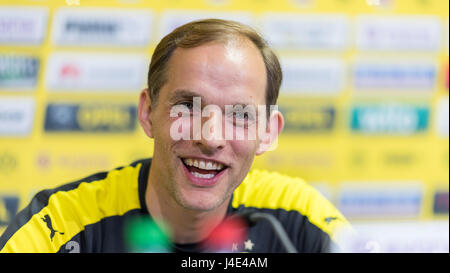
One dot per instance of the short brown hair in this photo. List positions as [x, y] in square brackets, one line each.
[199, 32]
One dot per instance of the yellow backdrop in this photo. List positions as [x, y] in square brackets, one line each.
[375, 144]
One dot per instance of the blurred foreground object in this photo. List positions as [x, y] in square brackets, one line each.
[143, 235]
[226, 236]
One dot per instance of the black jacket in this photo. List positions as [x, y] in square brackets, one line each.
[89, 215]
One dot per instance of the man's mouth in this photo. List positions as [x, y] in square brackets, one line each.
[203, 171]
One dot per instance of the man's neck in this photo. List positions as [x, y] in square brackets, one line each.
[186, 225]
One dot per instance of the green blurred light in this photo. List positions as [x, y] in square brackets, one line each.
[143, 235]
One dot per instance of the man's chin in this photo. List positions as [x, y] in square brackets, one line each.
[200, 203]
[201, 206]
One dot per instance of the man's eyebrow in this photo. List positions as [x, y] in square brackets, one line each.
[185, 94]
[181, 94]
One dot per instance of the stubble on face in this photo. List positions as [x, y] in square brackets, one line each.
[217, 72]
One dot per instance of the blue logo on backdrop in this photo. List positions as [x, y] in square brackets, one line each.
[108, 118]
[91, 27]
[395, 76]
[380, 203]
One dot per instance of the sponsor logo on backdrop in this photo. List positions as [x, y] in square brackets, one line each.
[18, 72]
[380, 199]
[70, 162]
[96, 72]
[440, 204]
[396, 119]
[398, 159]
[93, 162]
[102, 27]
[394, 237]
[300, 160]
[175, 18]
[23, 25]
[442, 116]
[412, 33]
[16, 116]
[107, 118]
[9, 205]
[290, 31]
[313, 76]
[43, 161]
[8, 163]
[358, 160]
[309, 119]
[402, 75]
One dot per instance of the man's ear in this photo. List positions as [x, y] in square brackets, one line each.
[269, 139]
[144, 112]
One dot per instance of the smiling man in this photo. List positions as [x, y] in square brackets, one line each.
[197, 74]
[191, 181]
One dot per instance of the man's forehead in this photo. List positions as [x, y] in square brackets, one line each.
[237, 49]
[224, 65]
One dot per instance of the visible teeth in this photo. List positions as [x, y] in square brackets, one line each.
[199, 175]
[202, 165]
[188, 162]
[209, 166]
[205, 165]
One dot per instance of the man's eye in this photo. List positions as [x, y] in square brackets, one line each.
[241, 115]
[188, 104]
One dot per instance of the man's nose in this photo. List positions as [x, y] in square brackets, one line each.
[210, 136]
